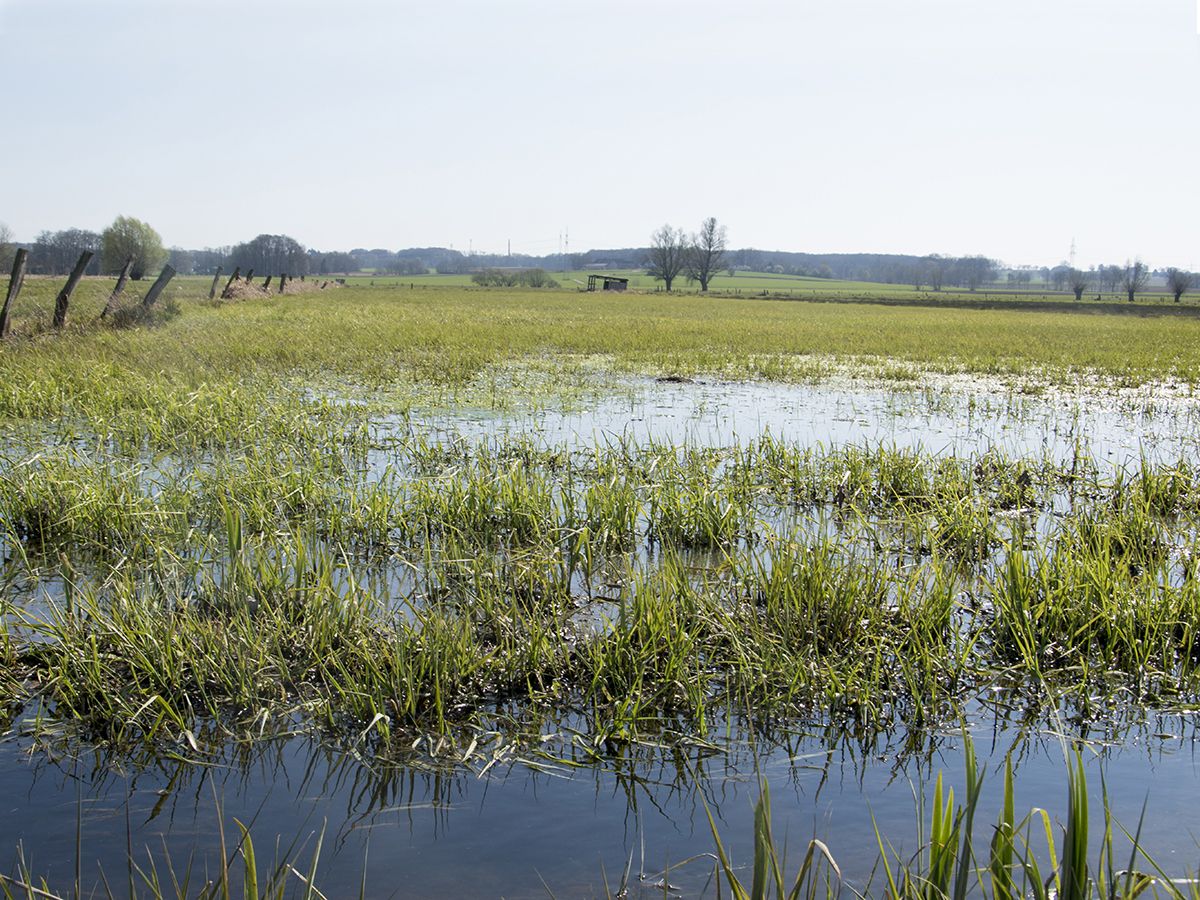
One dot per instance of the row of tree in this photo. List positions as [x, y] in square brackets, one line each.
[701, 255]
[1131, 279]
[127, 238]
[56, 252]
[936, 271]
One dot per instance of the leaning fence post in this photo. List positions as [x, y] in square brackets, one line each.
[111, 305]
[237, 270]
[14, 287]
[63, 300]
[267, 283]
[212, 291]
[249, 275]
[157, 288]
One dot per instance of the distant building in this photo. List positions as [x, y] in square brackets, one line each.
[607, 283]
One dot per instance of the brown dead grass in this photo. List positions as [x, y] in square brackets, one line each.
[245, 290]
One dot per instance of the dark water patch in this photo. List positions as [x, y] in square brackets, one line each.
[416, 831]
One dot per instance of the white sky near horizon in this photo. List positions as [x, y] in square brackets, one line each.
[1005, 127]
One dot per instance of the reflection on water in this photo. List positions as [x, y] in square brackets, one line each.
[423, 832]
[514, 829]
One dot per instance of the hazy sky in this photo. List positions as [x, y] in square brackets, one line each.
[1003, 127]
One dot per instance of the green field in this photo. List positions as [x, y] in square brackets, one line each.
[640, 281]
[774, 285]
[373, 335]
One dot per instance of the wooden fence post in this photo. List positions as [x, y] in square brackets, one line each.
[63, 300]
[111, 305]
[283, 280]
[267, 284]
[249, 275]
[14, 288]
[212, 291]
[237, 270]
[157, 288]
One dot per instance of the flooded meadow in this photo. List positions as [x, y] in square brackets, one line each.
[495, 652]
[559, 624]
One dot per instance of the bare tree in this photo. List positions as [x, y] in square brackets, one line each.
[973, 271]
[1134, 278]
[1110, 277]
[1059, 277]
[668, 254]
[1078, 281]
[1179, 282]
[935, 270]
[272, 253]
[55, 252]
[916, 274]
[706, 252]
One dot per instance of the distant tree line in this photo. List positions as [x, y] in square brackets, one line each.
[270, 254]
[672, 254]
[416, 261]
[1130, 279]
[127, 238]
[55, 252]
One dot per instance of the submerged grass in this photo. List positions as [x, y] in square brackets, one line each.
[239, 873]
[1028, 858]
[654, 589]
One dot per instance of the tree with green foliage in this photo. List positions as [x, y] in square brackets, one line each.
[128, 237]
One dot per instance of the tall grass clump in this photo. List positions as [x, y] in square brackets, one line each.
[958, 858]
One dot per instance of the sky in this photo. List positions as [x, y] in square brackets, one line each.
[1006, 128]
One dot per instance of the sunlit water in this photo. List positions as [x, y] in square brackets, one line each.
[515, 831]
[957, 417]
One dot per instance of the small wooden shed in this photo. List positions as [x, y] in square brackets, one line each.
[607, 283]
